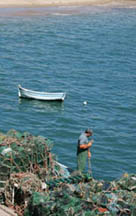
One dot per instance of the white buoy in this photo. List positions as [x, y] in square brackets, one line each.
[85, 102]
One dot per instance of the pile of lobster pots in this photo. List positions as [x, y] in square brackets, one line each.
[33, 183]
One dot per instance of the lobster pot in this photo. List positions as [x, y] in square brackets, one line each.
[22, 152]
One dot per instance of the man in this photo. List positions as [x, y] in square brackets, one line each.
[83, 149]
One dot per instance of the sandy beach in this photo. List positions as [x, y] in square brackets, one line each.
[46, 7]
[45, 3]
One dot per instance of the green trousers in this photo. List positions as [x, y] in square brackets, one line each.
[81, 160]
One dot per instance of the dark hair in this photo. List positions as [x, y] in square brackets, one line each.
[89, 131]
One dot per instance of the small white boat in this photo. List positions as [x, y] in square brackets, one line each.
[48, 96]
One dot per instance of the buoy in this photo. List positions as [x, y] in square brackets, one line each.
[85, 102]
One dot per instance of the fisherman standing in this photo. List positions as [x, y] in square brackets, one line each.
[83, 149]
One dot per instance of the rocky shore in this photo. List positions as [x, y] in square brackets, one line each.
[33, 183]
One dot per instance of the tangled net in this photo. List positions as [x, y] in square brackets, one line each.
[35, 184]
[26, 163]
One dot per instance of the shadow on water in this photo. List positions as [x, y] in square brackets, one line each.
[40, 106]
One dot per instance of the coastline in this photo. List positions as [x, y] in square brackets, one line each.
[61, 7]
[47, 3]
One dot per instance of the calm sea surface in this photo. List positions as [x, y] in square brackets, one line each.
[90, 55]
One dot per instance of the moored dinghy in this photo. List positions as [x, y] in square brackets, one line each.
[47, 96]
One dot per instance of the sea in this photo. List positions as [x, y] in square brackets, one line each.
[87, 52]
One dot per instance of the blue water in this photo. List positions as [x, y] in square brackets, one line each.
[89, 53]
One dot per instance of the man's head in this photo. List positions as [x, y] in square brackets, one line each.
[88, 132]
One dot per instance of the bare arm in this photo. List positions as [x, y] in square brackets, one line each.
[86, 146]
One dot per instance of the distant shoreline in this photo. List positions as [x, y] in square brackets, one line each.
[61, 7]
[45, 3]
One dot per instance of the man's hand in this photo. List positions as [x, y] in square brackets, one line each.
[86, 146]
[90, 143]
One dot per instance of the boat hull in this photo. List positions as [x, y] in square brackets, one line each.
[45, 96]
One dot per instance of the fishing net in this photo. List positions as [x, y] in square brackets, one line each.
[86, 197]
[22, 152]
[36, 185]
[26, 162]
[19, 188]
